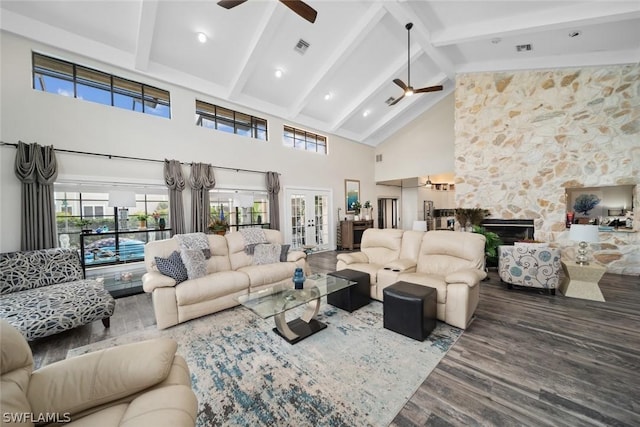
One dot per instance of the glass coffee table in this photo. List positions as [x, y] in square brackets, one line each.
[277, 300]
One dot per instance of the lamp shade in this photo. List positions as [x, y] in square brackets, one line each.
[122, 199]
[584, 233]
[419, 226]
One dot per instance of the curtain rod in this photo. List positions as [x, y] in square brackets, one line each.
[116, 156]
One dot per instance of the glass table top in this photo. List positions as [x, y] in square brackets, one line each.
[280, 298]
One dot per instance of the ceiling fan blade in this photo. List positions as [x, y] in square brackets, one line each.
[428, 89]
[228, 4]
[400, 83]
[397, 100]
[302, 9]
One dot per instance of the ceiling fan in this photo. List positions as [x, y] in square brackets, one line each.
[298, 6]
[407, 88]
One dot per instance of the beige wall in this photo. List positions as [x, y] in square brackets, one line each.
[522, 137]
[66, 123]
[423, 147]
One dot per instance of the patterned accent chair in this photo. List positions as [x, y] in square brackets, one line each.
[530, 265]
[44, 292]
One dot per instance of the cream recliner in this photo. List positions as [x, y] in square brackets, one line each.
[452, 262]
[137, 385]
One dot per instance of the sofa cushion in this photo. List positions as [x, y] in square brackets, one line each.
[260, 275]
[443, 252]
[173, 267]
[41, 312]
[33, 269]
[195, 262]
[381, 245]
[211, 286]
[268, 253]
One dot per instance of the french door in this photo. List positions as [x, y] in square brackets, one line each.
[308, 218]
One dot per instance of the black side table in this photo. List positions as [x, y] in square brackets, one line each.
[410, 309]
[353, 297]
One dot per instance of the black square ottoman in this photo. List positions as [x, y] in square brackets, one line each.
[410, 309]
[353, 297]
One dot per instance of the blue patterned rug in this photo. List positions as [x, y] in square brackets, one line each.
[353, 373]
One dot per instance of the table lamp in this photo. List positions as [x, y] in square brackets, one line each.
[584, 234]
[123, 200]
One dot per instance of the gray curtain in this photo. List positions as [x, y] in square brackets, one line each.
[36, 167]
[200, 181]
[273, 188]
[175, 181]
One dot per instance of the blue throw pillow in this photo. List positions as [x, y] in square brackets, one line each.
[172, 267]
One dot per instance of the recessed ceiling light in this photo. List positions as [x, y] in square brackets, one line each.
[202, 37]
[365, 113]
[278, 73]
[573, 34]
[328, 96]
[496, 40]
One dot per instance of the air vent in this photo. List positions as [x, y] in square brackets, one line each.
[524, 47]
[378, 158]
[389, 100]
[302, 47]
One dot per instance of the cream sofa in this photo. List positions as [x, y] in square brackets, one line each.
[451, 262]
[137, 385]
[230, 273]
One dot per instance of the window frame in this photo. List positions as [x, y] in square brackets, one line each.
[80, 75]
[249, 126]
[304, 140]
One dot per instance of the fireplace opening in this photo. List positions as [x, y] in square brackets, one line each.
[510, 230]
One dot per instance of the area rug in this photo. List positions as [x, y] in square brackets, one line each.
[353, 373]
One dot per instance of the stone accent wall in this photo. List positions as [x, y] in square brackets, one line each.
[522, 137]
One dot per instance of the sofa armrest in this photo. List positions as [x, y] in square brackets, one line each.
[401, 265]
[155, 279]
[294, 256]
[470, 277]
[80, 383]
[353, 257]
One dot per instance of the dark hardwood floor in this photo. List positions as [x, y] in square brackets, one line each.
[527, 359]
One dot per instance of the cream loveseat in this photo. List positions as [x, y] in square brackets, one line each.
[137, 385]
[230, 272]
[451, 262]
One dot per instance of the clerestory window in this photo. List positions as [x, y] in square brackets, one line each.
[303, 140]
[76, 81]
[226, 120]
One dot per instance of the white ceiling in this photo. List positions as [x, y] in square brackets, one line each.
[357, 48]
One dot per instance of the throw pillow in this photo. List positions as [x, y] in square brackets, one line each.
[173, 267]
[266, 253]
[195, 262]
[284, 253]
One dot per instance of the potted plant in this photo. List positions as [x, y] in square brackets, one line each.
[367, 210]
[492, 242]
[218, 226]
[142, 218]
[356, 206]
[468, 217]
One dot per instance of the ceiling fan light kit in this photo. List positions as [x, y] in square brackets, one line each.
[407, 89]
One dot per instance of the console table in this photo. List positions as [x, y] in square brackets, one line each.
[581, 281]
[351, 233]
